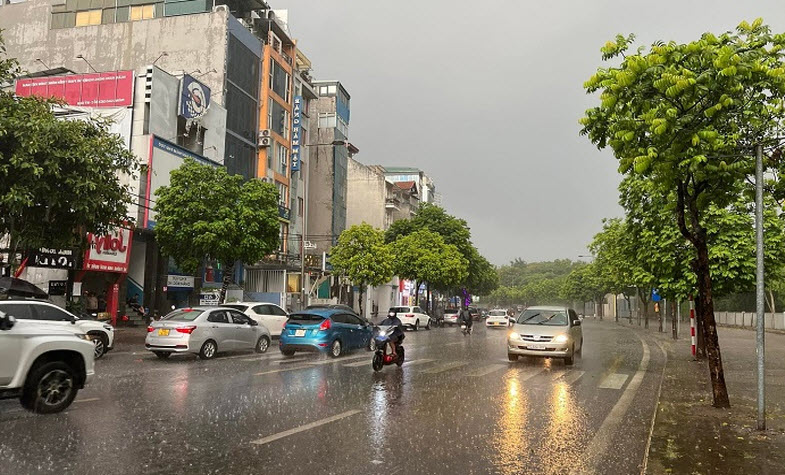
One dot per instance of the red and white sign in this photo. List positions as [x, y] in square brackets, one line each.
[113, 89]
[110, 252]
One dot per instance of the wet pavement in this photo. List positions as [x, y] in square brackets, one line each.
[456, 406]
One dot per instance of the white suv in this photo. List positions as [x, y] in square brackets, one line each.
[411, 317]
[44, 366]
[45, 313]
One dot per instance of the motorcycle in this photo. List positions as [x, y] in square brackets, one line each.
[382, 339]
[466, 330]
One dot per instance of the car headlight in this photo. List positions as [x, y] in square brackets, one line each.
[82, 336]
[514, 336]
[561, 339]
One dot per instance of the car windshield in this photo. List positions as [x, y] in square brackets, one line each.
[497, 313]
[236, 306]
[398, 309]
[557, 318]
[305, 317]
[184, 315]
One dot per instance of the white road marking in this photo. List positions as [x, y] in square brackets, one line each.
[291, 360]
[572, 376]
[341, 360]
[303, 428]
[527, 374]
[444, 367]
[614, 381]
[265, 358]
[90, 399]
[656, 406]
[357, 364]
[290, 368]
[416, 362]
[599, 445]
[486, 370]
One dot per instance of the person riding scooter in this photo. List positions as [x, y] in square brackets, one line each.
[393, 320]
[466, 318]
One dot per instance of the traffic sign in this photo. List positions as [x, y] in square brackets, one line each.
[655, 296]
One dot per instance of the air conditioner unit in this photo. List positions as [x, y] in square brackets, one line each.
[264, 133]
[265, 142]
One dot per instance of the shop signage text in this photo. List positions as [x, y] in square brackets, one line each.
[194, 98]
[111, 89]
[53, 258]
[110, 252]
[180, 281]
[296, 122]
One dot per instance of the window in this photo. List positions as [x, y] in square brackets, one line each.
[282, 189]
[218, 317]
[19, 311]
[279, 80]
[239, 318]
[300, 206]
[52, 314]
[184, 315]
[340, 318]
[89, 17]
[142, 12]
[322, 90]
[418, 310]
[262, 310]
[283, 160]
[278, 118]
[275, 310]
[326, 120]
[354, 320]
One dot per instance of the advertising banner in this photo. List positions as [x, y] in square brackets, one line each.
[194, 98]
[110, 252]
[296, 123]
[53, 258]
[111, 89]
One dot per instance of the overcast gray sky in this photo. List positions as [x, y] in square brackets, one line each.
[486, 96]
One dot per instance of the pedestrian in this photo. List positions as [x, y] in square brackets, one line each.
[91, 302]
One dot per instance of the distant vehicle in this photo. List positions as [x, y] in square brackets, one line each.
[330, 330]
[46, 313]
[451, 315]
[498, 318]
[411, 317]
[43, 365]
[474, 313]
[205, 331]
[269, 315]
[553, 332]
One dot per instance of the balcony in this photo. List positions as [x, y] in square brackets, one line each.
[392, 203]
[284, 213]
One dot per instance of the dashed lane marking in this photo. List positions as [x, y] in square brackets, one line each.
[357, 364]
[614, 381]
[572, 376]
[291, 360]
[290, 368]
[90, 399]
[486, 370]
[340, 360]
[417, 362]
[303, 428]
[525, 374]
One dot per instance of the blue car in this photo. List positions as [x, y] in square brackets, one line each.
[326, 330]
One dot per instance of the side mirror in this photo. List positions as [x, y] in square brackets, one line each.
[576, 323]
[72, 319]
[7, 322]
[253, 323]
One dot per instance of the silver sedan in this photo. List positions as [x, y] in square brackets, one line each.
[205, 331]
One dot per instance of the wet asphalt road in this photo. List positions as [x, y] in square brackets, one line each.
[458, 406]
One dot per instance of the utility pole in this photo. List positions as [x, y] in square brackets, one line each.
[760, 343]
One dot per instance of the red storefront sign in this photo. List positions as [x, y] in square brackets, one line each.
[110, 252]
[113, 89]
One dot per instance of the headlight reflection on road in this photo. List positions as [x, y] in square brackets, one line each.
[510, 443]
[565, 431]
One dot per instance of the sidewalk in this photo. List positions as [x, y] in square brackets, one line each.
[690, 436]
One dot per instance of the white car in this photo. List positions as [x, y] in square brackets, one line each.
[412, 317]
[42, 365]
[268, 315]
[451, 315]
[498, 318]
[550, 332]
[101, 334]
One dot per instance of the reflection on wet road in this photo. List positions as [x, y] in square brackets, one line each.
[456, 406]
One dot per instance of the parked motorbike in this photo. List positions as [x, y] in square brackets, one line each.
[381, 357]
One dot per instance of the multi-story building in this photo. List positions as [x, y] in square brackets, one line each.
[425, 185]
[373, 199]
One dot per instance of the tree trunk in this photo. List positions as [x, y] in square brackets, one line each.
[360, 300]
[629, 308]
[772, 304]
[661, 315]
[227, 279]
[674, 328]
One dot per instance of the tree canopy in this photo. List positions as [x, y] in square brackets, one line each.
[205, 213]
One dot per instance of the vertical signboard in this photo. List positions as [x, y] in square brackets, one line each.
[296, 118]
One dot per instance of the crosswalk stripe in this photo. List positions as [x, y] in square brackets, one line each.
[291, 360]
[289, 368]
[416, 362]
[572, 376]
[265, 358]
[614, 381]
[444, 367]
[340, 360]
[526, 374]
[486, 370]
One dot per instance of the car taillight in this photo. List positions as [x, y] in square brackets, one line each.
[150, 329]
[326, 325]
[187, 330]
[284, 325]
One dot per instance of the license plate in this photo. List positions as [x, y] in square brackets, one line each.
[163, 332]
[536, 347]
[299, 333]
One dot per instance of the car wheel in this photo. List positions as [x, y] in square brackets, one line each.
[570, 359]
[287, 352]
[162, 354]
[416, 325]
[100, 344]
[512, 357]
[336, 349]
[50, 388]
[263, 344]
[208, 351]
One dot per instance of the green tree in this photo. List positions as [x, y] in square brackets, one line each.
[363, 257]
[205, 213]
[686, 116]
[59, 179]
[584, 284]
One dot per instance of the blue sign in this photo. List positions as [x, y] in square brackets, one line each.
[296, 122]
[655, 296]
[194, 98]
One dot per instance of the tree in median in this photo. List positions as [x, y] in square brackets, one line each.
[687, 116]
[205, 213]
[363, 257]
[59, 179]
